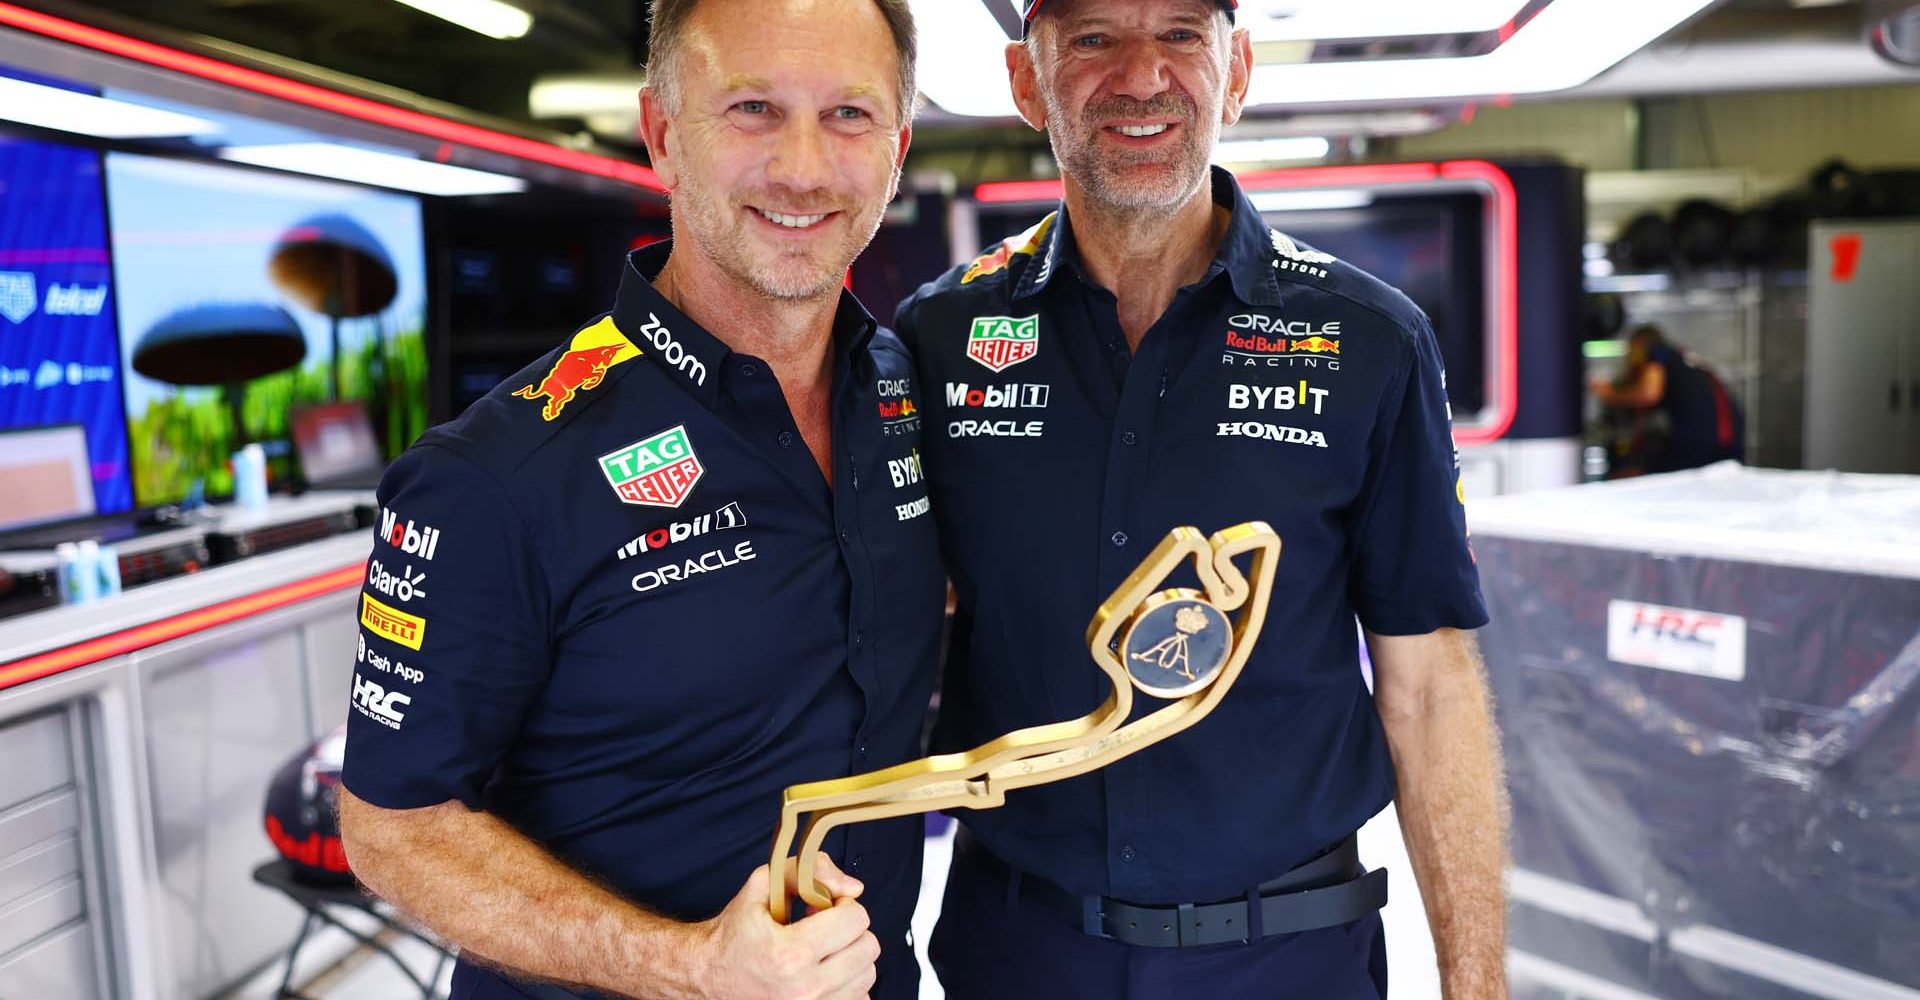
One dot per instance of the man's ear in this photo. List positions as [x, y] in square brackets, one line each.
[1024, 78]
[1239, 76]
[900, 159]
[653, 131]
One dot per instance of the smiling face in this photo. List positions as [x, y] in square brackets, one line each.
[1132, 93]
[785, 142]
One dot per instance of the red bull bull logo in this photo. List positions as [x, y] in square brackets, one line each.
[1316, 345]
[593, 352]
[999, 257]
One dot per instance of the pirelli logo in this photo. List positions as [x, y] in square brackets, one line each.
[392, 623]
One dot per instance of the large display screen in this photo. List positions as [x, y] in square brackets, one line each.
[1429, 246]
[59, 357]
[245, 295]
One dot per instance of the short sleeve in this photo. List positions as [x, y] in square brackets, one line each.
[1413, 570]
[453, 640]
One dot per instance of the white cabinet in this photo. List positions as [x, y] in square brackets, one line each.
[1863, 347]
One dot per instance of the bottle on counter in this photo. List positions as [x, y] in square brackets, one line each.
[250, 477]
[79, 571]
[109, 571]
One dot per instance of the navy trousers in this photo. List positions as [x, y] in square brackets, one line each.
[989, 945]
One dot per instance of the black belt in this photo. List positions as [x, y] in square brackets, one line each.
[1328, 891]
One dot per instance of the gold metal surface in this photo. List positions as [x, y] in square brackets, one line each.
[980, 778]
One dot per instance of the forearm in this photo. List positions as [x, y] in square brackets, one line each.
[1453, 814]
[485, 887]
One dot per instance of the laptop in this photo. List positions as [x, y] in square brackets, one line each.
[336, 447]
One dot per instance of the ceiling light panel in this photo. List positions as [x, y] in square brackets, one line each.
[966, 72]
[83, 114]
[366, 166]
[1566, 44]
[1276, 150]
[1310, 201]
[488, 17]
[1306, 20]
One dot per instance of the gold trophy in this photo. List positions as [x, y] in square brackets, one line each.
[1175, 644]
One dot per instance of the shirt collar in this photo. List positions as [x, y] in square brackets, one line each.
[681, 347]
[1246, 255]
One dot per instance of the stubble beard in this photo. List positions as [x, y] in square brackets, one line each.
[718, 233]
[1103, 176]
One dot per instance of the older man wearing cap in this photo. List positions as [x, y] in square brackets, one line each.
[1153, 354]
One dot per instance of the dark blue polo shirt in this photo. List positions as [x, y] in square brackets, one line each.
[1284, 386]
[616, 604]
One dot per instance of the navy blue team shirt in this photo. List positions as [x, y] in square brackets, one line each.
[1284, 386]
[616, 604]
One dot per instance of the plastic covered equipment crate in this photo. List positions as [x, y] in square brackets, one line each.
[1709, 685]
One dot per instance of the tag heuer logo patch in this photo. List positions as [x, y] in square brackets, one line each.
[1000, 342]
[659, 471]
[18, 296]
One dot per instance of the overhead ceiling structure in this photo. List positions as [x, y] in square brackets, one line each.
[482, 55]
[1319, 53]
[192, 97]
[1323, 67]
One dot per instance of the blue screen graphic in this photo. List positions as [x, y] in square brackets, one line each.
[59, 350]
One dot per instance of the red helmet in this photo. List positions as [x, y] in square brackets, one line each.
[299, 814]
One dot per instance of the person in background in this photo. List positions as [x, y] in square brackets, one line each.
[1668, 411]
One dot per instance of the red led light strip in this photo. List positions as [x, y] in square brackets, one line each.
[416, 122]
[1506, 227]
[140, 637]
[1506, 304]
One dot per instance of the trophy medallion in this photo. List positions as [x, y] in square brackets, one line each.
[1176, 644]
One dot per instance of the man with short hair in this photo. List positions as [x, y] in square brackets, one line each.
[1151, 355]
[669, 569]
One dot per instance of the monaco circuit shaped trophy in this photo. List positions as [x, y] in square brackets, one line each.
[1176, 644]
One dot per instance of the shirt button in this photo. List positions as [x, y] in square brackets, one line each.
[1128, 437]
[860, 638]
[786, 439]
[845, 535]
[853, 863]
[1127, 852]
[863, 753]
[1120, 539]
[749, 370]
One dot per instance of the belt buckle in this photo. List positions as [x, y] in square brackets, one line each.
[1187, 928]
[1093, 916]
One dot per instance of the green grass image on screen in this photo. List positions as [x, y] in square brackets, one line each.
[188, 435]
